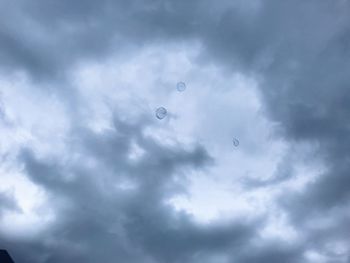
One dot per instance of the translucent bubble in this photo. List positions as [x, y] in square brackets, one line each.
[161, 113]
[235, 142]
[181, 86]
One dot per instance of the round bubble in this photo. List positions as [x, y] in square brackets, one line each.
[181, 86]
[235, 142]
[161, 113]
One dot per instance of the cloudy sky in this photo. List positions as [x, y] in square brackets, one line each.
[89, 174]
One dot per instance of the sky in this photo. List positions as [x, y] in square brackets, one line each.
[90, 174]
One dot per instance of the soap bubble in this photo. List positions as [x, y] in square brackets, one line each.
[181, 86]
[161, 113]
[235, 142]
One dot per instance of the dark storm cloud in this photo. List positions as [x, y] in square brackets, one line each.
[296, 49]
[49, 37]
[272, 252]
[299, 50]
[305, 85]
[98, 222]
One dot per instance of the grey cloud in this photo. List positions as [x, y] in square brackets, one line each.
[49, 37]
[273, 252]
[98, 221]
[296, 49]
[284, 171]
[8, 203]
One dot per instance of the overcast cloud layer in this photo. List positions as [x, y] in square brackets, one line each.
[88, 174]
